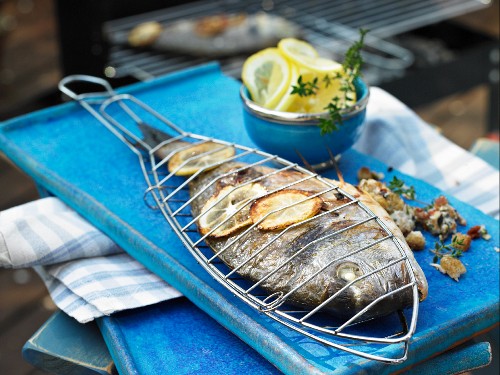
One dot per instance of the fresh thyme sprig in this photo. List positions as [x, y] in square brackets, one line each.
[351, 66]
[306, 88]
[453, 249]
[327, 125]
[398, 186]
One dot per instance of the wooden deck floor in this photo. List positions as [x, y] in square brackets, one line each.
[28, 75]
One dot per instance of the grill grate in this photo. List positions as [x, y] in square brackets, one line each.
[357, 331]
[332, 26]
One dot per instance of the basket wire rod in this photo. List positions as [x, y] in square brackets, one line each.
[344, 347]
[201, 170]
[220, 178]
[368, 307]
[87, 99]
[320, 239]
[391, 339]
[285, 186]
[316, 217]
[136, 139]
[144, 106]
[403, 336]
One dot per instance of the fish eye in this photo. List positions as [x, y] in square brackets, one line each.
[349, 271]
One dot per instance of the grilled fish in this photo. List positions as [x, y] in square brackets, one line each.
[284, 266]
[313, 260]
[213, 36]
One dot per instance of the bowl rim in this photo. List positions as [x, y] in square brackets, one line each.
[292, 118]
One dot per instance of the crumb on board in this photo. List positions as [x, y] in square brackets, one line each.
[479, 231]
[461, 241]
[440, 219]
[450, 266]
[416, 240]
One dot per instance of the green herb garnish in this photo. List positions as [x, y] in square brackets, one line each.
[352, 65]
[305, 88]
[441, 249]
[398, 186]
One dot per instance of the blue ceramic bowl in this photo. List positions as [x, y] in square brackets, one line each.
[282, 133]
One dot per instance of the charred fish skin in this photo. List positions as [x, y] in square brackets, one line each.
[318, 259]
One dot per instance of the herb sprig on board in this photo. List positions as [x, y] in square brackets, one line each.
[399, 187]
[352, 65]
[453, 250]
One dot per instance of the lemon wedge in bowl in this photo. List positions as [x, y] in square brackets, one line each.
[266, 75]
[327, 90]
[228, 210]
[295, 50]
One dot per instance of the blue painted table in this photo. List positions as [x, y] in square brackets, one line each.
[71, 155]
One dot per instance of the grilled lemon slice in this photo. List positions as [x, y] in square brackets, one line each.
[188, 161]
[230, 204]
[288, 209]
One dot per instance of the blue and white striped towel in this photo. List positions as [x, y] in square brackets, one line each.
[395, 135]
[86, 273]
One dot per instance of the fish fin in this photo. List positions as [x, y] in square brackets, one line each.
[152, 136]
[336, 166]
[308, 166]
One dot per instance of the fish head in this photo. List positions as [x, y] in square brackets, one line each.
[369, 286]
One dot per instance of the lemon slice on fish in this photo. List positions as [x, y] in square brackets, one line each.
[202, 156]
[266, 75]
[284, 208]
[228, 211]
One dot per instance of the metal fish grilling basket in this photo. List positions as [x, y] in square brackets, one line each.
[280, 287]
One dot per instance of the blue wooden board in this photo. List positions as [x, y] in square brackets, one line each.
[187, 341]
[74, 157]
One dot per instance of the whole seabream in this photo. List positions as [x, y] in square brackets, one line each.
[335, 254]
[211, 36]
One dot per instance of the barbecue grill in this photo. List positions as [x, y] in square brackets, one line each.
[411, 43]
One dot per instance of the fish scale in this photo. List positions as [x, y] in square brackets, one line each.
[294, 275]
